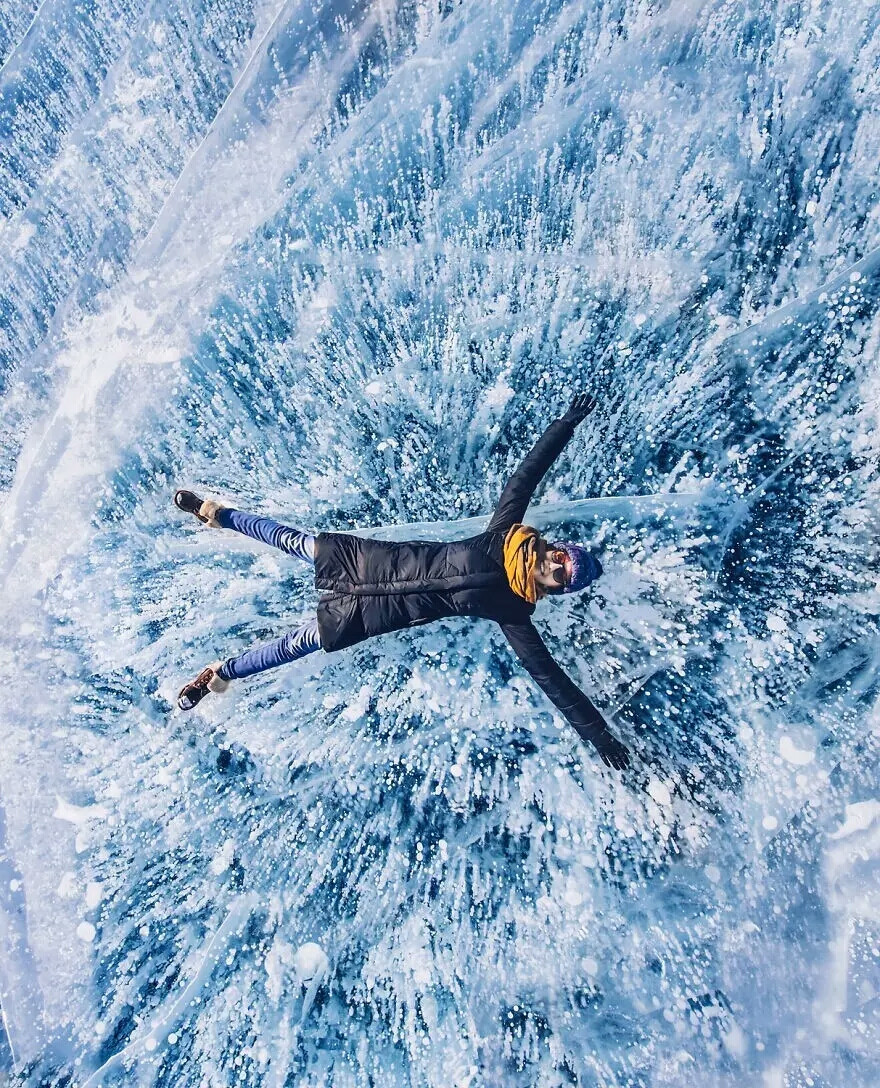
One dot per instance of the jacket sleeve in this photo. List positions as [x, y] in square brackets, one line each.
[568, 698]
[521, 486]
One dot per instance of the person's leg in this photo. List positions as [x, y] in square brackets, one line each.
[295, 644]
[289, 540]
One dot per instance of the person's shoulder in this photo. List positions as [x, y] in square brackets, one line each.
[487, 539]
[513, 609]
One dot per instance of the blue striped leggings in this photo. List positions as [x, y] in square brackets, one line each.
[301, 640]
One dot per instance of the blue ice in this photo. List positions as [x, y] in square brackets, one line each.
[340, 263]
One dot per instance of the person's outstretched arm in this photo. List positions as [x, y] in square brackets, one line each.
[586, 720]
[521, 486]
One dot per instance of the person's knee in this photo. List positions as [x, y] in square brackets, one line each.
[301, 641]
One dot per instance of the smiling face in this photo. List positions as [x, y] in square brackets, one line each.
[553, 568]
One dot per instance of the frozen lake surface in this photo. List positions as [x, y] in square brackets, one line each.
[341, 263]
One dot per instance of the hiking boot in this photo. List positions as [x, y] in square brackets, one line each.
[207, 680]
[205, 510]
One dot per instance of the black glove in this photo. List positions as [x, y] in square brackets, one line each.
[613, 753]
[580, 408]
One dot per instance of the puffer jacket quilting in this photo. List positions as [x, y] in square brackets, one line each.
[373, 587]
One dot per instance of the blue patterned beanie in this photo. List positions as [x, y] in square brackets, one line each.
[585, 567]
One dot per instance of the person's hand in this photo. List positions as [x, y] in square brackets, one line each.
[580, 408]
[613, 753]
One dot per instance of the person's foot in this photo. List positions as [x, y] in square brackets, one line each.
[208, 680]
[205, 510]
[189, 502]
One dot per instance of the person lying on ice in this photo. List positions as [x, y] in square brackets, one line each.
[372, 587]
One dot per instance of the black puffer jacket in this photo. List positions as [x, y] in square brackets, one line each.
[374, 586]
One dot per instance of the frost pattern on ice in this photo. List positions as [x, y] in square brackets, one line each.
[341, 265]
